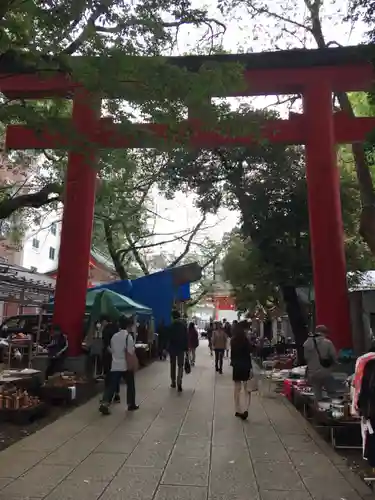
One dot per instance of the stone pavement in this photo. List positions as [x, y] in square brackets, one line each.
[178, 447]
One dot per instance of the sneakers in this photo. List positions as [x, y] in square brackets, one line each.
[104, 410]
[173, 385]
[179, 388]
[116, 399]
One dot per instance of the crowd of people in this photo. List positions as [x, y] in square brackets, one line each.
[179, 341]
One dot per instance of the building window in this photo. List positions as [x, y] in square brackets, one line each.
[52, 253]
[35, 243]
[53, 228]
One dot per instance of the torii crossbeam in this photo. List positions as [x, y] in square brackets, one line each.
[315, 74]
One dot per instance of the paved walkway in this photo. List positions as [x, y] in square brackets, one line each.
[178, 447]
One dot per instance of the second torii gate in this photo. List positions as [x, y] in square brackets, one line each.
[314, 74]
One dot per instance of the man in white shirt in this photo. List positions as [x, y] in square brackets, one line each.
[121, 342]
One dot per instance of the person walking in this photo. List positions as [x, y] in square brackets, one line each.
[57, 351]
[108, 329]
[162, 340]
[122, 349]
[193, 342]
[219, 344]
[177, 347]
[210, 332]
[320, 356]
[242, 370]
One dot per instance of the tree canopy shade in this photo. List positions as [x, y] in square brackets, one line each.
[267, 185]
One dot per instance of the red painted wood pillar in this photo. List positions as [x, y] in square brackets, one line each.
[326, 227]
[75, 246]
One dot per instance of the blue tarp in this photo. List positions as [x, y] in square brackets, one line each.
[155, 291]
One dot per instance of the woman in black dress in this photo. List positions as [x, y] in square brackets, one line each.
[242, 369]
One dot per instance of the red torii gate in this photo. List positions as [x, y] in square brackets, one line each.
[314, 74]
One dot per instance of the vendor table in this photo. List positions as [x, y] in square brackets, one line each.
[323, 420]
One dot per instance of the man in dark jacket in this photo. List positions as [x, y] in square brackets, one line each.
[109, 328]
[177, 347]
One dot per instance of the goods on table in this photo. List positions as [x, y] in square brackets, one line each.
[12, 398]
[64, 380]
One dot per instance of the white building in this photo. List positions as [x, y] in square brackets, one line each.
[41, 245]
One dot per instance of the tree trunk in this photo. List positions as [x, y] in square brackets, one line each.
[120, 269]
[297, 318]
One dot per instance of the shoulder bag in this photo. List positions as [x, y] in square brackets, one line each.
[132, 363]
[324, 362]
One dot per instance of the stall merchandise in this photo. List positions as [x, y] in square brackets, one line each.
[18, 406]
[67, 388]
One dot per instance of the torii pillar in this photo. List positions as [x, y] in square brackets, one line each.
[77, 222]
[326, 226]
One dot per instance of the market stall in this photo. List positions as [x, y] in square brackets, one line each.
[331, 415]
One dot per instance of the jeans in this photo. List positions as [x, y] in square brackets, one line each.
[112, 387]
[177, 358]
[219, 355]
[54, 365]
[320, 380]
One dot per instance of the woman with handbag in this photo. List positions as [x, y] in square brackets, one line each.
[242, 370]
[124, 363]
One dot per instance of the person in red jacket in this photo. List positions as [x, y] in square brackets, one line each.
[193, 342]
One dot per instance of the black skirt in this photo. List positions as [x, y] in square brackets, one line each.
[241, 372]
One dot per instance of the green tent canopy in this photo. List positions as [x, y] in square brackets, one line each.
[102, 301]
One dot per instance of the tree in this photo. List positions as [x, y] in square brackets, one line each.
[266, 184]
[42, 36]
[300, 23]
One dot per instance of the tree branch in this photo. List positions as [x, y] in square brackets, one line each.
[31, 200]
[132, 22]
[137, 255]
[90, 25]
[120, 269]
[178, 259]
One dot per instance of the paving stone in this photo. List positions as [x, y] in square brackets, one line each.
[165, 433]
[250, 495]
[277, 476]
[74, 490]
[354, 480]
[4, 481]
[14, 464]
[150, 454]
[267, 450]
[299, 443]
[187, 446]
[284, 495]
[187, 471]
[181, 493]
[71, 453]
[119, 442]
[99, 467]
[37, 482]
[312, 461]
[260, 431]
[331, 488]
[232, 473]
[133, 483]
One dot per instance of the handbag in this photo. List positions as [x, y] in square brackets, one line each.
[187, 366]
[132, 363]
[324, 362]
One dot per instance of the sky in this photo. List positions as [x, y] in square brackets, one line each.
[245, 35]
